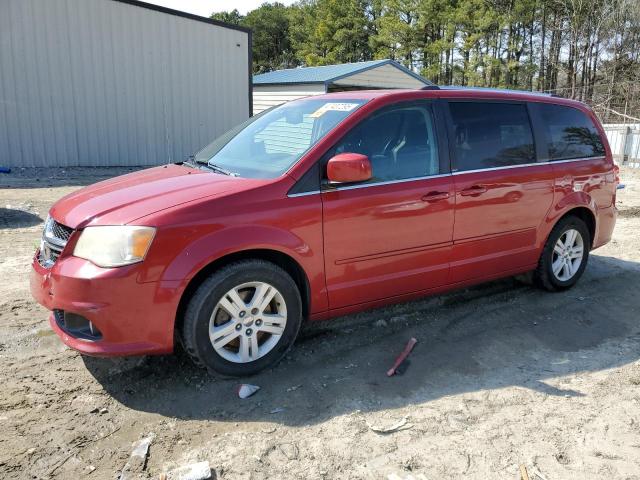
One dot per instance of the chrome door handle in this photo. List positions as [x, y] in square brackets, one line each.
[473, 191]
[435, 196]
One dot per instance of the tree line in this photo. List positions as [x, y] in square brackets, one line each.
[583, 49]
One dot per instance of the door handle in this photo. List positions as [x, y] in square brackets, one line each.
[473, 191]
[435, 196]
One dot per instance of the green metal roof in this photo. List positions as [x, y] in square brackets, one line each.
[327, 74]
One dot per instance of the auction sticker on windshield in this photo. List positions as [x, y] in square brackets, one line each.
[333, 107]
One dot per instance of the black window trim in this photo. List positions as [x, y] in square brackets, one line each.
[539, 133]
[444, 160]
[307, 185]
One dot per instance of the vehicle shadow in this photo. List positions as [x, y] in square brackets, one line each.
[13, 218]
[495, 335]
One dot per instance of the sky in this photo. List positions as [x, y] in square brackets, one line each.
[207, 7]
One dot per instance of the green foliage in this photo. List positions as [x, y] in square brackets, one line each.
[271, 40]
[233, 17]
[270, 24]
[570, 46]
[332, 31]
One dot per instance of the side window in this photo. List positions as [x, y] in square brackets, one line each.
[490, 135]
[400, 143]
[571, 134]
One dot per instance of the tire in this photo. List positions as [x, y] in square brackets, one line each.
[248, 342]
[554, 281]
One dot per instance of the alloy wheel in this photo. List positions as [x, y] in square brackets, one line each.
[567, 255]
[247, 322]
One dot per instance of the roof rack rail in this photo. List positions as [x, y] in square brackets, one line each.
[484, 89]
[491, 89]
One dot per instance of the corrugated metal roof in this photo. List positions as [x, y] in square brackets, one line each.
[327, 73]
[180, 13]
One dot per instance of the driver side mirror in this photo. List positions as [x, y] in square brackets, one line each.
[349, 168]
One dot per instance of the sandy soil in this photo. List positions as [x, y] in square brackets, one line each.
[503, 375]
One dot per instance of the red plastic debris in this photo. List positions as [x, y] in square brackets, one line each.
[405, 353]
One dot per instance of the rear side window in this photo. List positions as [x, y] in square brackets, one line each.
[570, 133]
[488, 135]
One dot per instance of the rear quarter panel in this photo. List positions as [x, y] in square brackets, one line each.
[586, 183]
[589, 183]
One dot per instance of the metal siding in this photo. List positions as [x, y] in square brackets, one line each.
[624, 140]
[268, 96]
[385, 76]
[100, 83]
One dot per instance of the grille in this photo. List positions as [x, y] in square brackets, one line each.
[59, 316]
[76, 325]
[54, 239]
[60, 231]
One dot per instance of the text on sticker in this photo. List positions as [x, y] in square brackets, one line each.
[333, 107]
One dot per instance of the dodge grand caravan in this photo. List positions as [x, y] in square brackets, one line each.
[321, 207]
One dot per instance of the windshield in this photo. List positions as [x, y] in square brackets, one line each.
[268, 144]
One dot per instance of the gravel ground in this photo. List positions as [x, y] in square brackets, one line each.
[503, 375]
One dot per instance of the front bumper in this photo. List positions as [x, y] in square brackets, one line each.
[133, 318]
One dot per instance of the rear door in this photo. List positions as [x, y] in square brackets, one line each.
[502, 193]
[391, 235]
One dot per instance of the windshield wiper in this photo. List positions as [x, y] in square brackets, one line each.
[195, 162]
[221, 170]
[211, 166]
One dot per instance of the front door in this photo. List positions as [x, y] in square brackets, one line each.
[391, 235]
[502, 194]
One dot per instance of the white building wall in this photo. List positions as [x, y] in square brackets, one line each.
[267, 96]
[100, 82]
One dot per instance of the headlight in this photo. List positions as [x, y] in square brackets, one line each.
[114, 246]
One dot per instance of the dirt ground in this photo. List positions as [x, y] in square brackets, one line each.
[503, 375]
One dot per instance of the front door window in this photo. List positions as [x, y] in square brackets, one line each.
[400, 143]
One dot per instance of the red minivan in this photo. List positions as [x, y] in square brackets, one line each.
[321, 207]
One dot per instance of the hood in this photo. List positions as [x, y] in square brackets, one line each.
[124, 199]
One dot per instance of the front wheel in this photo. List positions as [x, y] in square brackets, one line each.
[564, 256]
[243, 318]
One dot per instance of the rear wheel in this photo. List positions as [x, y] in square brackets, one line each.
[564, 256]
[242, 318]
